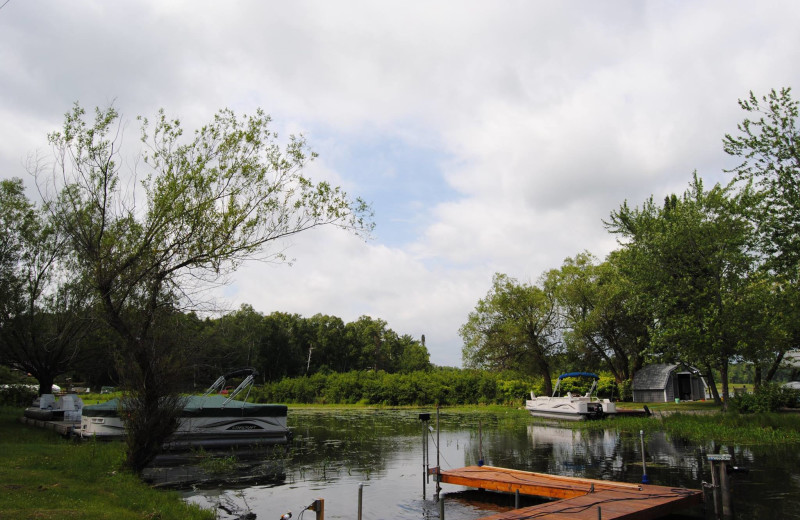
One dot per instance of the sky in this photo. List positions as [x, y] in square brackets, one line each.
[489, 137]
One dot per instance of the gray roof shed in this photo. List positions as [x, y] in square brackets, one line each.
[653, 377]
[664, 382]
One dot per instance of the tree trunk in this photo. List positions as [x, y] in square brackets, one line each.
[775, 365]
[756, 375]
[45, 383]
[723, 372]
[709, 375]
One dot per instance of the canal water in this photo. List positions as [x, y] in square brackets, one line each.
[334, 452]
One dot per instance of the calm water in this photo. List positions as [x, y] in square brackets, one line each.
[334, 451]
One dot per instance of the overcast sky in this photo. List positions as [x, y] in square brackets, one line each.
[488, 136]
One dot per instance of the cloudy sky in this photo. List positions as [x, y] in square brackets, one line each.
[488, 136]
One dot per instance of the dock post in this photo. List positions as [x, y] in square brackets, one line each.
[516, 499]
[423, 419]
[599, 513]
[725, 491]
[438, 449]
[480, 443]
[721, 484]
[645, 480]
[361, 497]
[318, 506]
[441, 508]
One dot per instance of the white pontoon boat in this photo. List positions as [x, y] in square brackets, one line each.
[571, 407]
[208, 421]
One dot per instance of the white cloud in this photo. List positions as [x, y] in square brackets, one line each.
[542, 117]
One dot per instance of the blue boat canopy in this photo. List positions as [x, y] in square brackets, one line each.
[578, 374]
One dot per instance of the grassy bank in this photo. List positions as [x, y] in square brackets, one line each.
[722, 428]
[45, 477]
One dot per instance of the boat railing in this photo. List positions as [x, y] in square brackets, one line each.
[247, 383]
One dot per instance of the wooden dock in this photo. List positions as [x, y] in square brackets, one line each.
[61, 427]
[578, 498]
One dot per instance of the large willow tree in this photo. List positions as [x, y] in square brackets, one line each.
[188, 212]
[515, 327]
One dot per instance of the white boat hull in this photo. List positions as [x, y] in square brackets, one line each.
[570, 408]
[203, 423]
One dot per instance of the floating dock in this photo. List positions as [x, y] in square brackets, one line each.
[577, 498]
[64, 428]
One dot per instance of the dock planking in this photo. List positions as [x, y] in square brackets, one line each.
[577, 498]
[64, 428]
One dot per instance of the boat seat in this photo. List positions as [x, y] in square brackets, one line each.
[47, 402]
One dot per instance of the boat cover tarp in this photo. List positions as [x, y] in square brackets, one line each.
[199, 406]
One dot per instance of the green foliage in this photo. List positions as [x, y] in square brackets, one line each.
[604, 325]
[606, 386]
[446, 386]
[513, 327]
[625, 390]
[17, 395]
[211, 201]
[691, 258]
[768, 397]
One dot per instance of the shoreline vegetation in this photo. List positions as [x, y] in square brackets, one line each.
[45, 476]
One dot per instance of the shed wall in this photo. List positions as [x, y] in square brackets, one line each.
[648, 396]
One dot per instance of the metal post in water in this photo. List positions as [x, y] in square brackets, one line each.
[441, 508]
[516, 499]
[480, 442]
[645, 480]
[423, 420]
[360, 498]
[438, 465]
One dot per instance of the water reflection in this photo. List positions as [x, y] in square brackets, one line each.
[335, 450]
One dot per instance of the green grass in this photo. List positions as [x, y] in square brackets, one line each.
[683, 406]
[723, 428]
[43, 476]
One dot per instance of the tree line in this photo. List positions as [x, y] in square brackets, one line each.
[708, 277]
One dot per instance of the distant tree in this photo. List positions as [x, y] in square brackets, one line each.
[44, 312]
[283, 350]
[413, 356]
[194, 209]
[515, 327]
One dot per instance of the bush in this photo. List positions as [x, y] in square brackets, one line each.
[768, 397]
[17, 395]
[446, 386]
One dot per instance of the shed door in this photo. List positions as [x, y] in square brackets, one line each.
[685, 386]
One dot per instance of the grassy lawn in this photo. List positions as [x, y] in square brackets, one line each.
[683, 406]
[43, 476]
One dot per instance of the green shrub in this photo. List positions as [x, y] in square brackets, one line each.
[768, 397]
[17, 395]
[446, 386]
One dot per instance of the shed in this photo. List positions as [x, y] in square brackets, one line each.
[667, 382]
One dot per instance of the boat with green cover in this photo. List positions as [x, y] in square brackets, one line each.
[206, 421]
